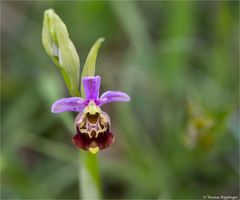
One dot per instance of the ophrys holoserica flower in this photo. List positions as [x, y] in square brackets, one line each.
[93, 126]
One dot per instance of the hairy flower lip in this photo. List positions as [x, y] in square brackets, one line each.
[93, 125]
[84, 142]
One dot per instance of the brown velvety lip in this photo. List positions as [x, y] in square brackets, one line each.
[83, 141]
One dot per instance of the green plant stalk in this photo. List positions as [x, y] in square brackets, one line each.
[89, 176]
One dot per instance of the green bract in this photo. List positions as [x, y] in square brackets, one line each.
[60, 48]
[89, 67]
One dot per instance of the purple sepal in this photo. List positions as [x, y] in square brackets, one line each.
[91, 86]
[113, 96]
[75, 104]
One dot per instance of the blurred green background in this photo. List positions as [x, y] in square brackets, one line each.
[179, 136]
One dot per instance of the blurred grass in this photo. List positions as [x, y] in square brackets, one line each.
[177, 138]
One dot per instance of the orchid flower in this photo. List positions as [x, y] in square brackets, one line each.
[92, 124]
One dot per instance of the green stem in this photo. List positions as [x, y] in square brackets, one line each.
[89, 176]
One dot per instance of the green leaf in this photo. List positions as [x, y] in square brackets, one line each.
[60, 48]
[89, 67]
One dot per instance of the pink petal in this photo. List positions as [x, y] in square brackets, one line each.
[113, 96]
[75, 104]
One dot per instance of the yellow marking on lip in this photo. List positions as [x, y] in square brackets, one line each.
[94, 150]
